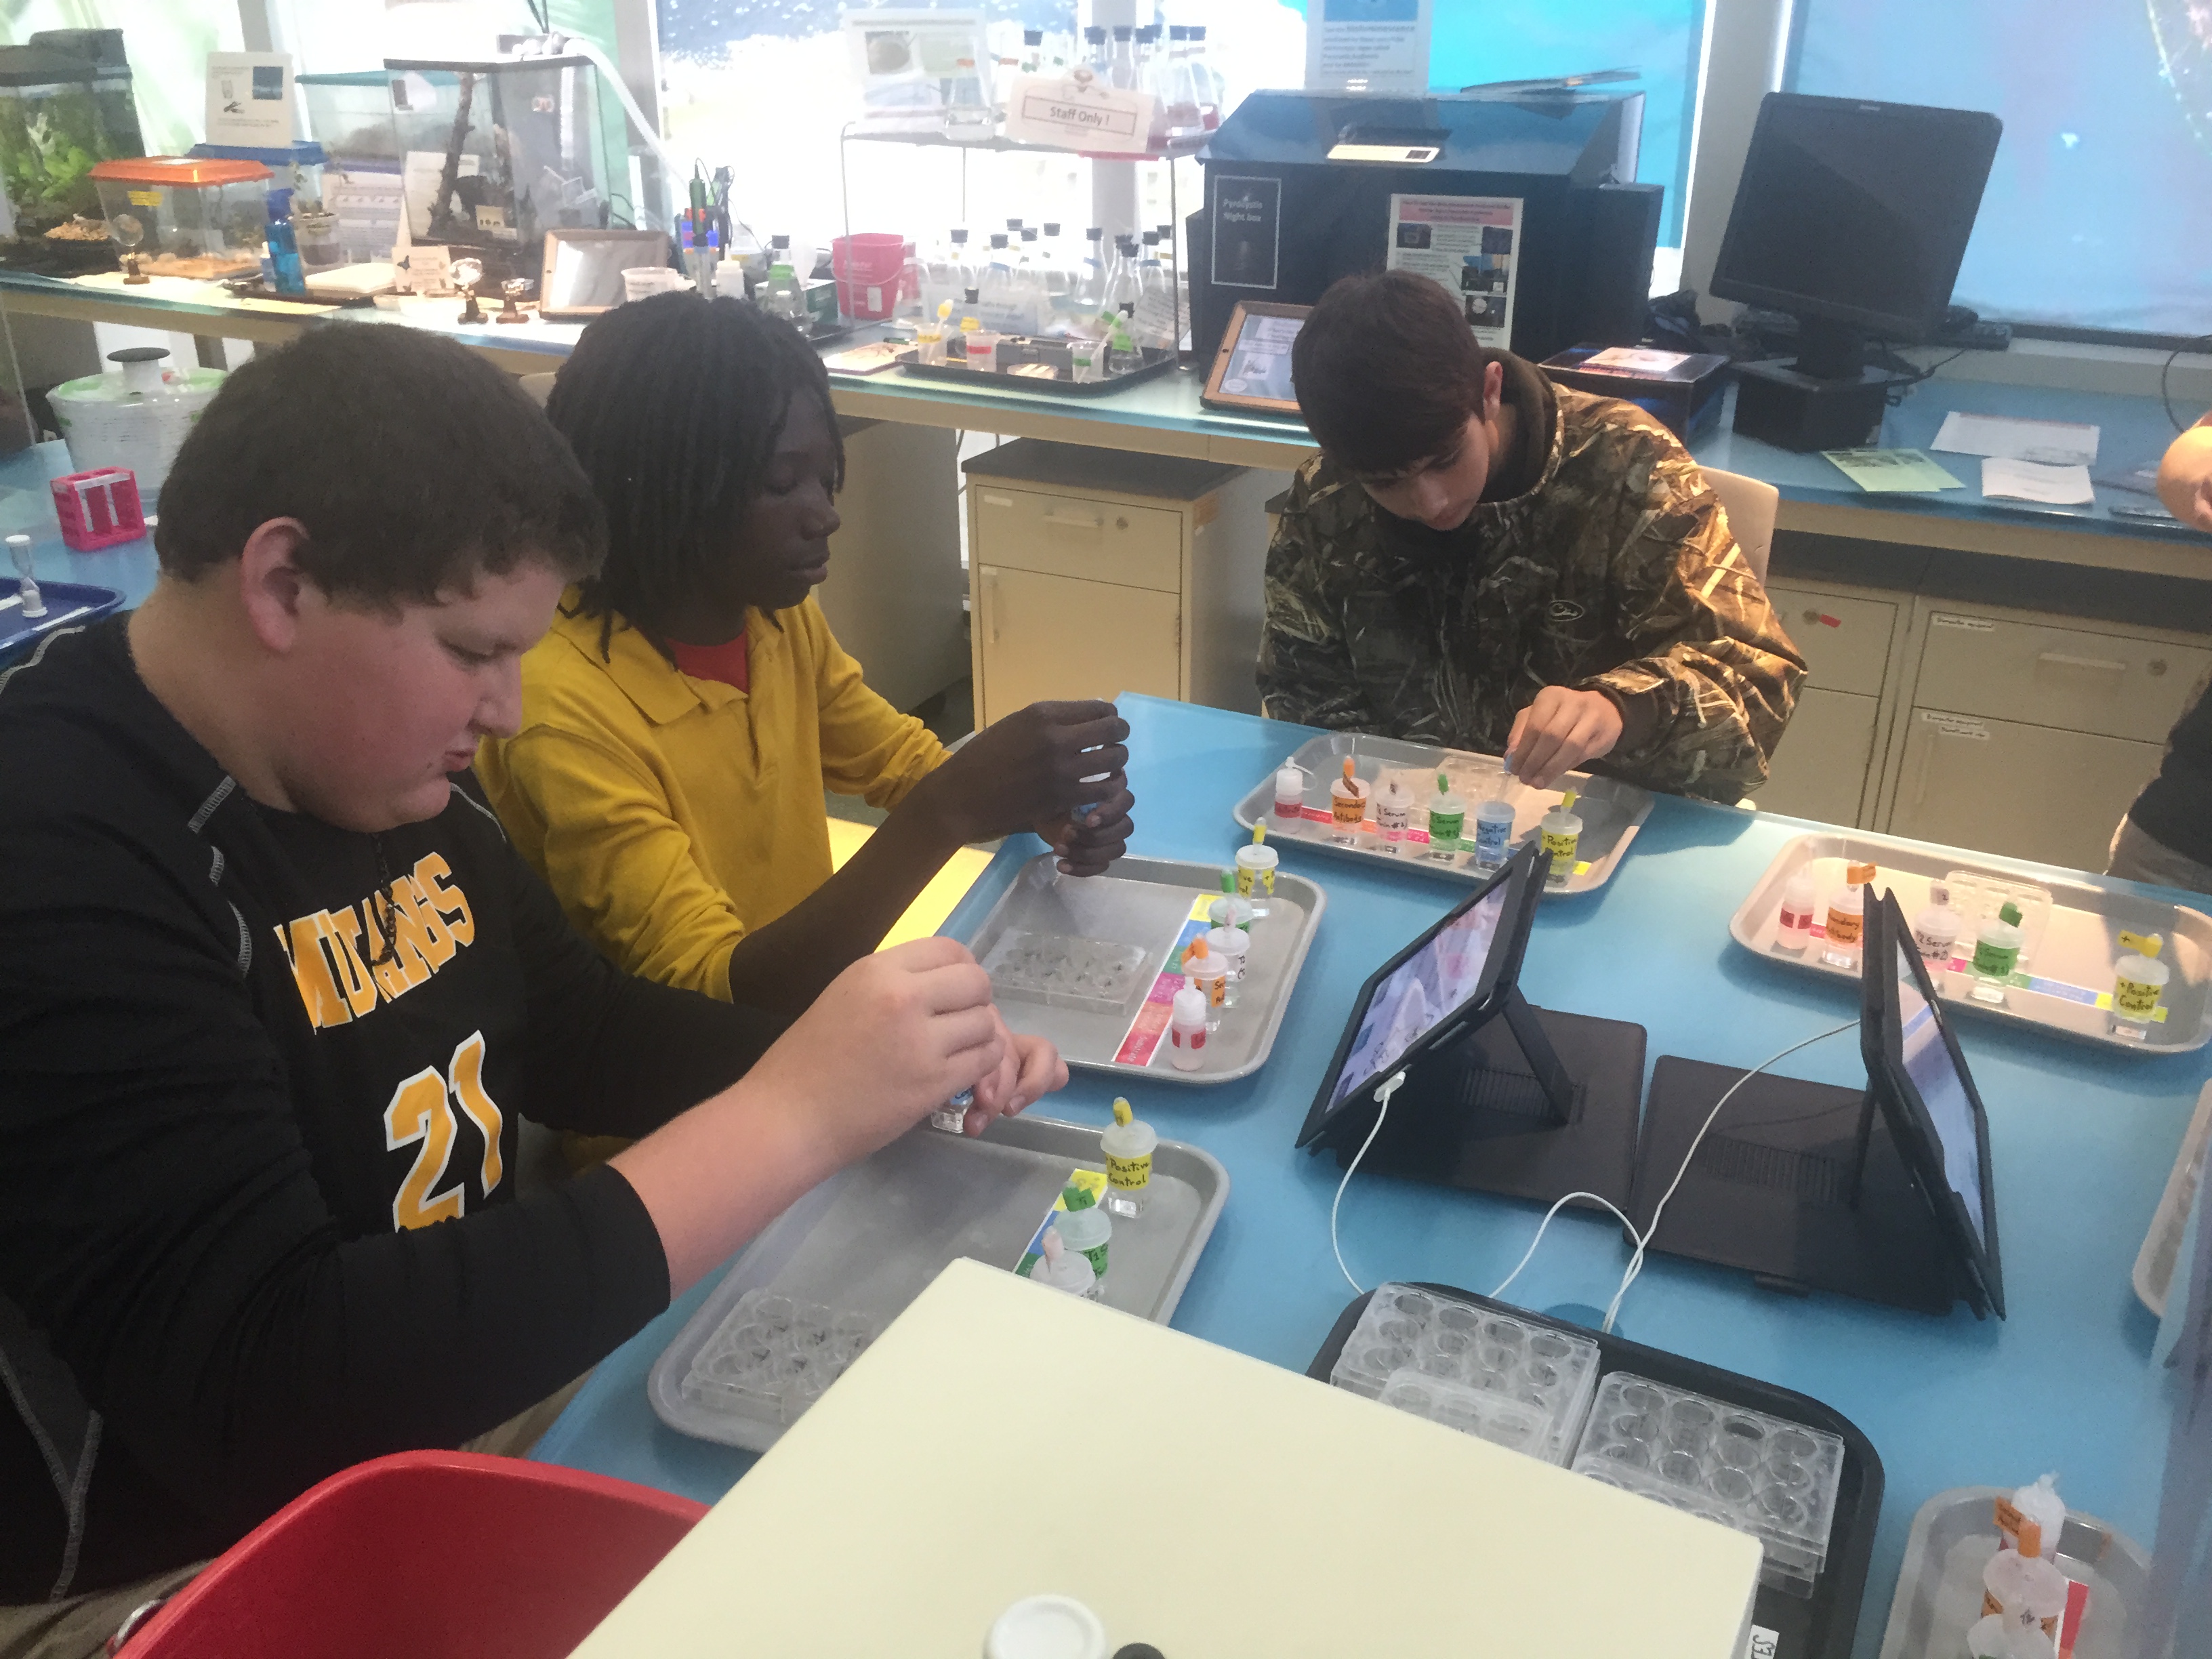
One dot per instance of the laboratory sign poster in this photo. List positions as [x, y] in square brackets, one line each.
[1247, 231]
[1466, 246]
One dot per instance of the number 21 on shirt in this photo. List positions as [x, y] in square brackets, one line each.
[422, 1111]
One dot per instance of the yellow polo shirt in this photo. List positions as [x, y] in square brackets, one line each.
[671, 814]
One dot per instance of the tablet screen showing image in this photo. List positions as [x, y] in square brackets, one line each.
[1928, 1064]
[1422, 991]
[1260, 362]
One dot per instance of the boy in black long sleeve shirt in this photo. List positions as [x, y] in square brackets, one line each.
[273, 991]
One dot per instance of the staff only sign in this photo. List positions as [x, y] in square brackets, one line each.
[1080, 112]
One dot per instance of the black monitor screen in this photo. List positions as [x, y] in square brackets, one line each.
[1421, 991]
[1935, 1074]
[1854, 211]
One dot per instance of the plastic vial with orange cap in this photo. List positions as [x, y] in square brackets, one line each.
[1844, 929]
[1347, 806]
[1209, 975]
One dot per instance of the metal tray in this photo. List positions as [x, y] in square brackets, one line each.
[1149, 902]
[1785, 1624]
[1054, 353]
[1612, 812]
[1939, 1593]
[873, 1237]
[2067, 958]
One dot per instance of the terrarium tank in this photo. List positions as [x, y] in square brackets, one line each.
[494, 155]
[350, 115]
[65, 106]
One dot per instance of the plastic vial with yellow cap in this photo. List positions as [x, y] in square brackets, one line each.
[2138, 982]
[1128, 1146]
[1256, 871]
[1562, 830]
[1844, 930]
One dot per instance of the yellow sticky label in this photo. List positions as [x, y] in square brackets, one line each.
[2156, 1016]
[1128, 1173]
[1244, 880]
[144, 197]
[2133, 999]
[1560, 849]
[2143, 944]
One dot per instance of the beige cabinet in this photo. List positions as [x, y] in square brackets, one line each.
[1043, 637]
[1828, 766]
[2028, 734]
[1820, 770]
[2021, 791]
[1094, 572]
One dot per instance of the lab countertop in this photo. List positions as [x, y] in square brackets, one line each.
[2082, 1141]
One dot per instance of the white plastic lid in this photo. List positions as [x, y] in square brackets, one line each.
[2143, 970]
[1131, 1140]
[1447, 802]
[1257, 857]
[1086, 1228]
[1289, 784]
[1561, 822]
[1190, 1006]
[1799, 891]
[1491, 812]
[1227, 943]
[1046, 1627]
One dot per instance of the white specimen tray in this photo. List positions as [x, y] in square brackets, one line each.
[2069, 955]
[1147, 904]
[1612, 812]
[1939, 1593]
[871, 1238]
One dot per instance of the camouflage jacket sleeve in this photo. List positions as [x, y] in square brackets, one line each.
[1306, 672]
[1712, 677]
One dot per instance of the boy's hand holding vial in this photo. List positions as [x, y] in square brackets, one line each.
[1031, 1069]
[1057, 767]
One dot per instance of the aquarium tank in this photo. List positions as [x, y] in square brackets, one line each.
[494, 155]
[65, 106]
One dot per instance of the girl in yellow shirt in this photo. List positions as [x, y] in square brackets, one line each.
[682, 718]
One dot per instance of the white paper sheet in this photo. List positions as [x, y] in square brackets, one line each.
[2053, 443]
[2031, 480]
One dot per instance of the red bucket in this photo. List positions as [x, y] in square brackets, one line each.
[873, 270]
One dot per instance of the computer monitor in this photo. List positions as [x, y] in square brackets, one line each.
[1488, 1102]
[1854, 216]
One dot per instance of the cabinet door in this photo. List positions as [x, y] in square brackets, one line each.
[1045, 637]
[1075, 536]
[1844, 642]
[1819, 770]
[2119, 685]
[2026, 791]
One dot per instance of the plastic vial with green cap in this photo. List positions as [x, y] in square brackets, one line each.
[1128, 1146]
[1084, 1228]
[1446, 822]
[1997, 954]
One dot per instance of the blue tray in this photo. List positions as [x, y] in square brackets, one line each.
[69, 604]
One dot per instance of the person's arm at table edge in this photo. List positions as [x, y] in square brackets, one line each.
[1707, 698]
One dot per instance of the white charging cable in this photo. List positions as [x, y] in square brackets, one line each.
[1382, 1108]
[1528, 1255]
[1635, 1262]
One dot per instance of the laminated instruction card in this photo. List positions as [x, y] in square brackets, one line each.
[1464, 245]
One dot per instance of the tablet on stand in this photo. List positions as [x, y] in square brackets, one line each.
[1488, 1102]
[1883, 1192]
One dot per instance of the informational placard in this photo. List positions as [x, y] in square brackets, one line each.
[1465, 244]
[249, 99]
[1080, 112]
[1247, 231]
[1368, 46]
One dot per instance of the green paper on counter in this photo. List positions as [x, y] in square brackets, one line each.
[1882, 470]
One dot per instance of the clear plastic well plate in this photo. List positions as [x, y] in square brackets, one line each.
[1428, 1355]
[1759, 1474]
[772, 1357]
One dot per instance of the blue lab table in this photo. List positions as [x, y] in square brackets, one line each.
[2082, 1138]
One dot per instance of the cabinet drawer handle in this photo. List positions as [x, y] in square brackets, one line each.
[991, 604]
[2097, 665]
[1076, 521]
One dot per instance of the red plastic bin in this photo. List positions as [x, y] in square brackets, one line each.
[433, 1554]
